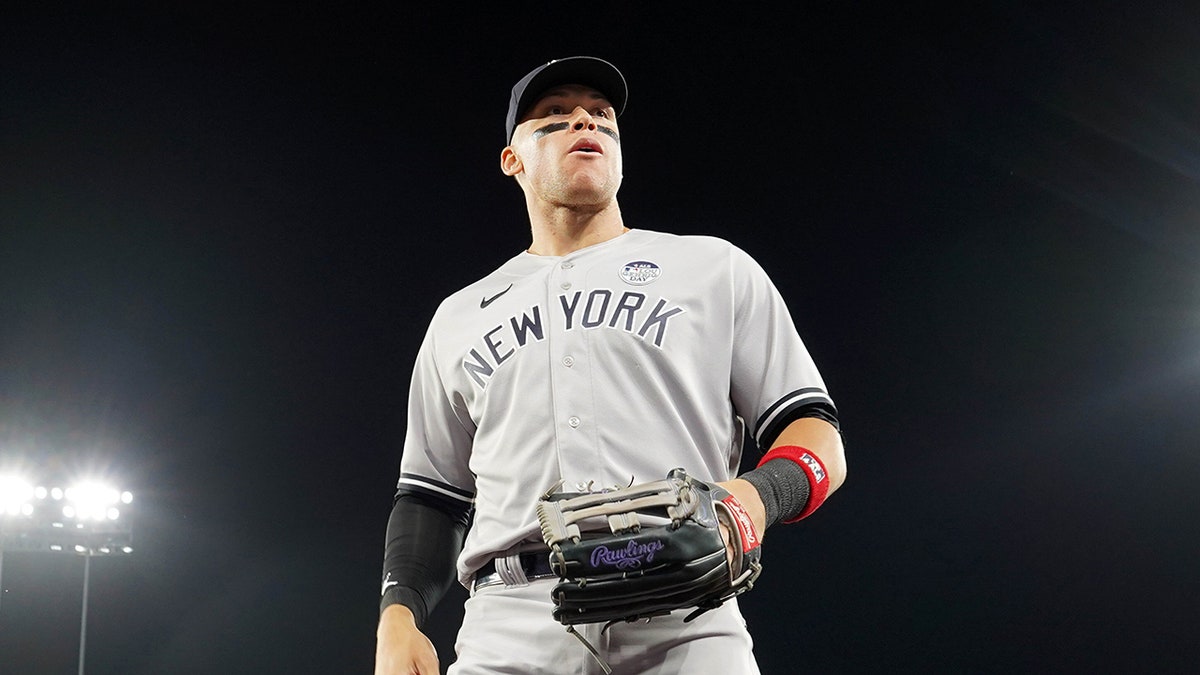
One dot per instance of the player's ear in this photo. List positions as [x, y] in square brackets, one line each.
[510, 163]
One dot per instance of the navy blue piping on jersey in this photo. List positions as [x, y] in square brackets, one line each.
[442, 492]
[807, 402]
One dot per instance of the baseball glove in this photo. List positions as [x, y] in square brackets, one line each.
[662, 550]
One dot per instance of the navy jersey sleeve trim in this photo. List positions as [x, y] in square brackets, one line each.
[807, 402]
[413, 483]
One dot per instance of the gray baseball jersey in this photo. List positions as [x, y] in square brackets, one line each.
[610, 365]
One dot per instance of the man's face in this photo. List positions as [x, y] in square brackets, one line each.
[566, 149]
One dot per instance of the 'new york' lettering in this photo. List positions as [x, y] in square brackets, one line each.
[600, 308]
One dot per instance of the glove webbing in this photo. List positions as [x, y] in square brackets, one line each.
[558, 519]
[641, 490]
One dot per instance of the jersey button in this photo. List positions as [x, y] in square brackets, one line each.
[568, 361]
[573, 421]
[566, 285]
[568, 265]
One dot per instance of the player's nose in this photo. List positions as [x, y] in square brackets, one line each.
[581, 120]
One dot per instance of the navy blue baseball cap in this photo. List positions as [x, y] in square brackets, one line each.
[588, 71]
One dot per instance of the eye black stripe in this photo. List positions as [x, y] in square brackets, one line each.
[549, 129]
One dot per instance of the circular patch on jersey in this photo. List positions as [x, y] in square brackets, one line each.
[640, 272]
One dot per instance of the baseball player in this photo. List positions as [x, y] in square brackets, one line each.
[602, 357]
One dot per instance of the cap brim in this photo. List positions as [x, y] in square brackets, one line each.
[583, 70]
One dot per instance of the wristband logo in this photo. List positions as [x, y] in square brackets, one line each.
[633, 556]
[745, 524]
[817, 469]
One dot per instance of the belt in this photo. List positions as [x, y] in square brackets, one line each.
[535, 565]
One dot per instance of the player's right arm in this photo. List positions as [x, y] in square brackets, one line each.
[429, 519]
[424, 537]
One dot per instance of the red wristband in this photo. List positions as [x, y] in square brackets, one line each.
[818, 478]
[745, 526]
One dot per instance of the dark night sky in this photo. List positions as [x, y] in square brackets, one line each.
[222, 234]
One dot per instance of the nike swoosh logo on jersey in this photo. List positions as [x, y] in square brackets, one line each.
[487, 301]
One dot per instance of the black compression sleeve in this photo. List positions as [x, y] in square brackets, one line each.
[783, 487]
[424, 537]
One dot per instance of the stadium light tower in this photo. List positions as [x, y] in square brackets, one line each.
[87, 519]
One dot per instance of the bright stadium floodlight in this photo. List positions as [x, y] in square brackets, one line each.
[94, 501]
[16, 493]
[87, 519]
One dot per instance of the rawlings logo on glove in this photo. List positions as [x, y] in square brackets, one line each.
[631, 557]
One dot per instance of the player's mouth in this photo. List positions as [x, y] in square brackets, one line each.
[586, 145]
